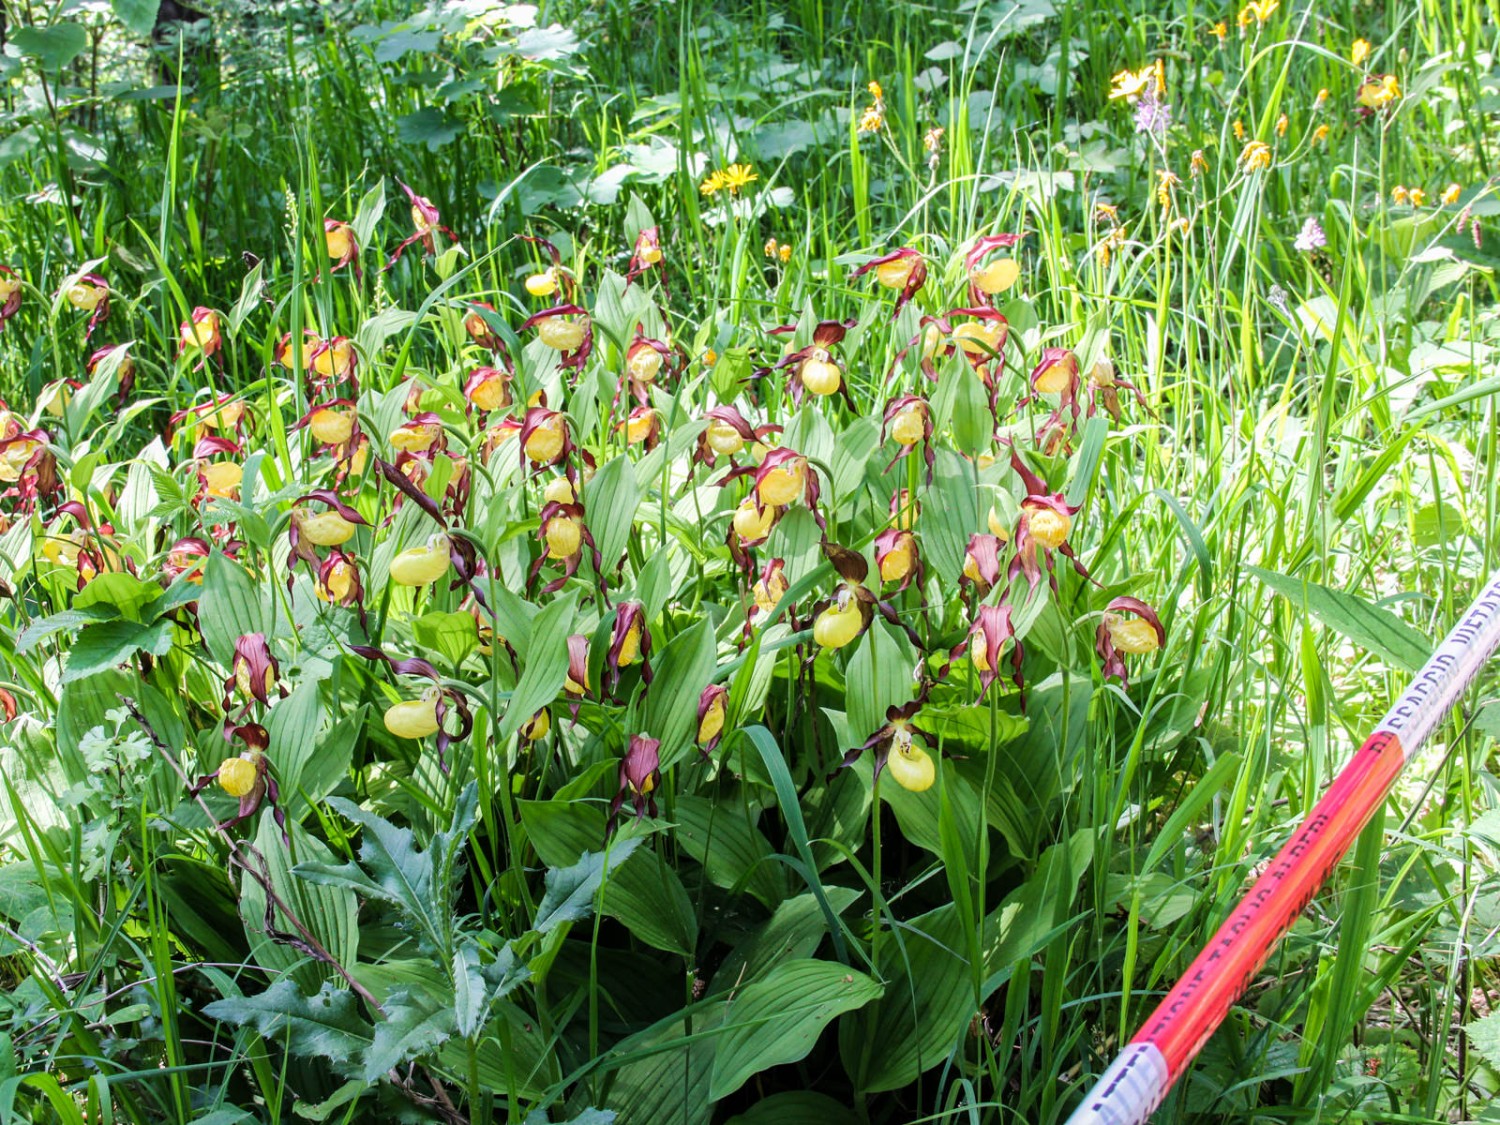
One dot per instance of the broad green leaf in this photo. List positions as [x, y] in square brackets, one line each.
[796, 1107]
[52, 47]
[1368, 626]
[413, 1027]
[350, 1091]
[795, 930]
[138, 15]
[611, 499]
[327, 1025]
[230, 606]
[545, 664]
[68, 621]
[109, 644]
[778, 1019]
[451, 635]
[917, 813]
[732, 850]
[879, 676]
[685, 668]
[950, 515]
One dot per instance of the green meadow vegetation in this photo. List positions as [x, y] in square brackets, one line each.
[692, 562]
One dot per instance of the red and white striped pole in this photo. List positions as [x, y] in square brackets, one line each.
[1138, 1080]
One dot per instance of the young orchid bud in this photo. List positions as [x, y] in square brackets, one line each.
[10, 294]
[479, 329]
[253, 669]
[201, 332]
[713, 706]
[640, 776]
[1119, 636]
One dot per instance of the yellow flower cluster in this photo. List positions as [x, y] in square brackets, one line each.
[778, 250]
[874, 115]
[730, 179]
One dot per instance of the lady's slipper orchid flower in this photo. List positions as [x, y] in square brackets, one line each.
[904, 270]
[752, 522]
[989, 637]
[982, 563]
[646, 254]
[645, 360]
[535, 728]
[124, 370]
[253, 670]
[221, 480]
[573, 338]
[90, 293]
[422, 434]
[417, 718]
[185, 559]
[894, 744]
[425, 219]
[331, 528]
[563, 534]
[479, 329]
[640, 776]
[27, 461]
[424, 565]
[332, 424]
[342, 245]
[1046, 522]
[488, 389]
[247, 776]
[897, 558]
[326, 363]
[770, 587]
[629, 643]
[905, 510]
[727, 435]
[848, 613]
[1104, 388]
[542, 284]
[908, 421]
[201, 332]
[544, 437]
[713, 707]
[338, 581]
[784, 477]
[642, 427]
[1118, 636]
[1056, 374]
[576, 683]
[988, 279]
[10, 294]
[816, 371]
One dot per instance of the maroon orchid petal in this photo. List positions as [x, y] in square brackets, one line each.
[253, 669]
[630, 643]
[713, 706]
[640, 776]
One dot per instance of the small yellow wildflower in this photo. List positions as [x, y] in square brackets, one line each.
[871, 120]
[1359, 51]
[1255, 156]
[1239, 131]
[1199, 163]
[1450, 195]
[1257, 12]
[1107, 211]
[737, 176]
[875, 91]
[933, 141]
[1131, 84]
[1166, 183]
[1418, 197]
[710, 357]
[770, 248]
[1321, 99]
[1281, 124]
[784, 252]
[1219, 31]
[1379, 91]
[1398, 194]
[713, 184]
[1320, 134]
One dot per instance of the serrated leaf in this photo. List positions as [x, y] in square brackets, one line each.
[327, 1025]
[411, 1029]
[571, 890]
[1484, 1037]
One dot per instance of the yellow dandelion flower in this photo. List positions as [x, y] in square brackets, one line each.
[1219, 31]
[1239, 131]
[1321, 99]
[770, 248]
[1398, 194]
[1320, 134]
[710, 357]
[1255, 156]
[784, 252]
[1418, 197]
[872, 120]
[1359, 51]
[1450, 195]
[713, 184]
[875, 91]
[1199, 163]
[737, 176]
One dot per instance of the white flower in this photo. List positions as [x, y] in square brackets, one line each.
[1312, 237]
